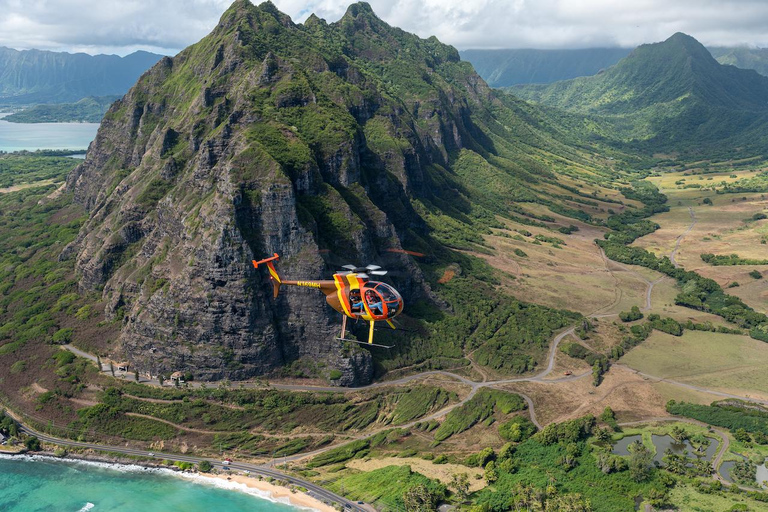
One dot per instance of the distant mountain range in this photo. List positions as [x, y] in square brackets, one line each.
[504, 68]
[33, 76]
[669, 94]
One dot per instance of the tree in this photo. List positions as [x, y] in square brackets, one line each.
[658, 498]
[419, 498]
[460, 485]
[111, 368]
[570, 459]
[32, 443]
[603, 434]
[742, 436]
[630, 316]
[640, 461]
[204, 466]
[161, 379]
[136, 375]
[98, 362]
[491, 474]
[679, 434]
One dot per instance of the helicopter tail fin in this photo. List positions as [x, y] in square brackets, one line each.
[274, 276]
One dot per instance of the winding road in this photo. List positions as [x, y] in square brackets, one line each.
[473, 385]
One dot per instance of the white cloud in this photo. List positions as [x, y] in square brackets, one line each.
[121, 26]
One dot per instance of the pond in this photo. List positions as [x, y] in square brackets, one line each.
[662, 443]
[760, 476]
[620, 448]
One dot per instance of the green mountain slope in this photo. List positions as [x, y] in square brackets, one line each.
[35, 76]
[328, 143]
[87, 110]
[503, 68]
[745, 58]
[671, 95]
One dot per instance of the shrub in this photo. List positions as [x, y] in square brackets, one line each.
[335, 374]
[631, 315]
[204, 466]
[517, 429]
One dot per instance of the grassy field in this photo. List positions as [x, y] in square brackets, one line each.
[724, 362]
[688, 499]
[572, 275]
[721, 228]
[442, 472]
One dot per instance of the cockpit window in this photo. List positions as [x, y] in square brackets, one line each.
[387, 293]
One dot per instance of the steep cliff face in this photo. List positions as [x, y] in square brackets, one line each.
[308, 140]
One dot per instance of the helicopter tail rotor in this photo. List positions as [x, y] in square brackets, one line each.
[273, 275]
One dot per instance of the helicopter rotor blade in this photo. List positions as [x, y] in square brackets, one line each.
[378, 272]
[363, 276]
[349, 267]
[373, 267]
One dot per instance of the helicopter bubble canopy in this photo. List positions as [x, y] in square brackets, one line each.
[382, 300]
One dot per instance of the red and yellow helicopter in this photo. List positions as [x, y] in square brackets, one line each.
[351, 293]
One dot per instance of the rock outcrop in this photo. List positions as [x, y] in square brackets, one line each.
[310, 140]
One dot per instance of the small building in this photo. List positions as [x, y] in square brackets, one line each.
[178, 377]
[123, 367]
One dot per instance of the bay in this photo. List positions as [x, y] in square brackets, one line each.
[43, 484]
[34, 136]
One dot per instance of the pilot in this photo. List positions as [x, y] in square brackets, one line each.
[374, 302]
[357, 301]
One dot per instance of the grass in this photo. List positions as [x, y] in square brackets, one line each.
[384, 486]
[719, 361]
[688, 499]
[720, 229]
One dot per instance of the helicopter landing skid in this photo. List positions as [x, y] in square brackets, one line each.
[365, 343]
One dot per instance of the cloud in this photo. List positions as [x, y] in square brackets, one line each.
[121, 26]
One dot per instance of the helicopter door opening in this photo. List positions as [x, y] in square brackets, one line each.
[356, 302]
[374, 302]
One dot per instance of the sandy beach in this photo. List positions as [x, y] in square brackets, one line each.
[277, 492]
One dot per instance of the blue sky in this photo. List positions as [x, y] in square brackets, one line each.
[166, 26]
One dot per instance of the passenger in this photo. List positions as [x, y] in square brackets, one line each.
[357, 302]
[374, 303]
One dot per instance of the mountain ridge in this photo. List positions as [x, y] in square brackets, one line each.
[40, 76]
[668, 93]
[349, 140]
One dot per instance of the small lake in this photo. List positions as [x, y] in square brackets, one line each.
[662, 443]
[761, 474]
[34, 136]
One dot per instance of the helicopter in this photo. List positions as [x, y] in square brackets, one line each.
[351, 293]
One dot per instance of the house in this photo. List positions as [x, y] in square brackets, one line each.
[123, 367]
[178, 377]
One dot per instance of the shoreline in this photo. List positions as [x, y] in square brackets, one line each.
[235, 481]
[275, 492]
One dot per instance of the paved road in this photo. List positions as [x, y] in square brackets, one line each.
[680, 238]
[314, 489]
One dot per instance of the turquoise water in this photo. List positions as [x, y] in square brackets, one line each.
[34, 484]
[33, 136]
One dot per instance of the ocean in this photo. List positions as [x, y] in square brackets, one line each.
[46, 484]
[33, 136]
